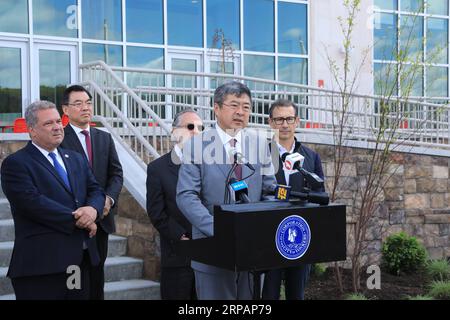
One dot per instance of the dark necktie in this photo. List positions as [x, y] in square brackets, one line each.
[87, 138]
[238, 169]
[60, 170]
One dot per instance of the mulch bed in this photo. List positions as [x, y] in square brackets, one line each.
[392, 287]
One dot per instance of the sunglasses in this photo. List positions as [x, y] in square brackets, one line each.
[191, 126]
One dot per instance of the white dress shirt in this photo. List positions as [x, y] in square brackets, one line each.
[46, 155]
[82, 137]
[226, 138]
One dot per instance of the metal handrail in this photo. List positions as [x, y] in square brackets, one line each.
[150, 95]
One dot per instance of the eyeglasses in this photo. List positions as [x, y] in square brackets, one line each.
[280, 120]
[80, 104]
[191, 126]
[245, 107]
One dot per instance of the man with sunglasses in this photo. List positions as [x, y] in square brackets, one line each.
[177, 277]
[202, 178]
[284, 119]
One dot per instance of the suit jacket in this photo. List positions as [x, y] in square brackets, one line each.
[312, 163]
[201, 180]
[47, 240]
[162, 178]
[105, 165]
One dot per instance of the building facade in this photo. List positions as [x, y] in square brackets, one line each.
[42, 42]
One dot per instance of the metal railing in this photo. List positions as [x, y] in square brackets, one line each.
[148, 99]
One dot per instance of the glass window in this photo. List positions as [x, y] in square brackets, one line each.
[384, 78]
[102, 19]
[411, 80]
[259, 25]
[293, 70]
[221, 67]
[437, 7]
[148, 58]
[145, 21]
[185, 23]
[385, 36]
[10, 85]
[412, 5]
[411, 37]
[292, 28]
[55, 18]
[14, 16]
[437, 40]
[386, 4]
[54, 74]
[259, 66]
[223, 15]
[437, 82]
[110, 54]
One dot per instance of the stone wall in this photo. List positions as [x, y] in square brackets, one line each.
[416, 199]
[143, 240]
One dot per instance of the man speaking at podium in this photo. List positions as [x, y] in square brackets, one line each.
[284, 119]
[202, 182]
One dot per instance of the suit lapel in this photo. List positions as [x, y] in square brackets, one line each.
[173, 168]
[275, 153]
[224, 167]
[67, 162]
[96, 146]
[39, 157]
[73, 141]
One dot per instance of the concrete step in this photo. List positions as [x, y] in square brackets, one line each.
[8, 297]
[117, 246]
[116, 269]
[5, 253]
[123, 268]
[5, 209]
[135, 289]
[6, 230]
[5, 283]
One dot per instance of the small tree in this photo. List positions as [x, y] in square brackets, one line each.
[389, 113]
[225, 47]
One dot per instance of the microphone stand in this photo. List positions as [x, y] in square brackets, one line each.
[227, 196]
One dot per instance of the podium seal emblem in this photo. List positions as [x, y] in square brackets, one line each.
[293, 237]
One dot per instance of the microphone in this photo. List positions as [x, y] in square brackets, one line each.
[240, 189]
[239, 158]
[294, 161]
[285, 193]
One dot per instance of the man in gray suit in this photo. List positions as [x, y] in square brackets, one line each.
[202, 177]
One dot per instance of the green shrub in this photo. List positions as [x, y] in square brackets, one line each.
[356, 296]
[440, 290]
[420, 297]
[318, 270]
[439, 270]
[402, 253]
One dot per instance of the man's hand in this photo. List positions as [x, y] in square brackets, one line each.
[107, 207]
[92, 228]
[85, 216]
